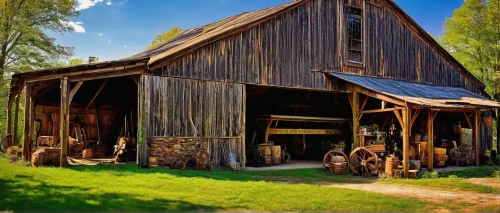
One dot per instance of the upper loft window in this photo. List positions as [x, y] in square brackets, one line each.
[354, 34]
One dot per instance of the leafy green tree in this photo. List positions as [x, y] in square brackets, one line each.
[165, 36]
[471, 35]
[77, 61]
[24, 43]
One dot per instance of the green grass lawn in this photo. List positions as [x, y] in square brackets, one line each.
[453, 180]
[127, 188]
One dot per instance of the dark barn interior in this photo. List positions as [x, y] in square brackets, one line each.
[98, 113]
[262, 101]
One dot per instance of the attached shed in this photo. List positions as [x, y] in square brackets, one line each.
[288, 74]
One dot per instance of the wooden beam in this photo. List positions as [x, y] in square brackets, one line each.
[381, 110]
[27, 117]
[134, 78]
[243, 128]
[32, 130]
[364, 104]
[406, 143]
[355, 109]
[383, 97]
[430, 139]
[74, 90]
[64, 120]
[414, 116]
[475, 131]
[106, 75]
[468, 120]
[266, 132]
[400, 119]
[16, 119]
[75, 75]
[279, 131]
[97, 93]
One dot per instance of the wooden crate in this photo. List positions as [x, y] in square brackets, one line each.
[378, 148]
[440, 157]
[439, 151]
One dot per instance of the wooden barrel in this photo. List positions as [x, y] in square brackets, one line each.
[153, 161]
[389, 166]
[265, 150]
[339, 168]
[276, 154]
[412, 174]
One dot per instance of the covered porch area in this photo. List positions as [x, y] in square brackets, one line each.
[429, 125]
[75, 111]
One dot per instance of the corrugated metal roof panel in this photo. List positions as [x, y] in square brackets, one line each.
[418, 93]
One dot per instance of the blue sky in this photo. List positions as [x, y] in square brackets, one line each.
[114, 29]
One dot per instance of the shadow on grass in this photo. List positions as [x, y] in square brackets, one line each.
[28, 194]
[307, 176]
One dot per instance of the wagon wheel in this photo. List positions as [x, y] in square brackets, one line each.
[363, 162]
[334, 157]
[468, 154]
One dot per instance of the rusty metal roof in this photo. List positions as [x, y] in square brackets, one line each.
[420, 94]
[193, 39]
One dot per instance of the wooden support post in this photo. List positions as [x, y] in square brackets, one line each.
[266, 133]
[355, 117]
[468, 120]
[430, 139]
[475, 132]
[26, 130]
[64, 120]
[243, 129]
[32, 134]
[406, 143]
[16, 119]
[410, 113]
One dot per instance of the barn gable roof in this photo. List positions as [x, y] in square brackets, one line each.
[191, 40]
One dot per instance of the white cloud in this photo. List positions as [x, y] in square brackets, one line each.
[125, 46]
[101, 34]
[109, 2]
[85, 4]
[77, 26]
[109, 41]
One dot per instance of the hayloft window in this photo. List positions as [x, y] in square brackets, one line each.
[354, 34]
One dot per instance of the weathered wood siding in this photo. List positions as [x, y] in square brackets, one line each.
[394, 51]
[186, 108]
[285, 50]
[279, 52]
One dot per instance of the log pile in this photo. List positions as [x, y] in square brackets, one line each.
[174, 152]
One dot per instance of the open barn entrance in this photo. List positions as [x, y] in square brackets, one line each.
[102, 114]
[303, 124]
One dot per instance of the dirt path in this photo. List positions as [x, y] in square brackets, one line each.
[491, 182]
[451, 198]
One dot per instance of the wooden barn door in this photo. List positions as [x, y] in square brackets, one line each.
[208, 114]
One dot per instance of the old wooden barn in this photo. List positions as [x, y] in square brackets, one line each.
[307, 75]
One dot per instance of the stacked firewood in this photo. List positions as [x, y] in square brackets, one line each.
[178, 153]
